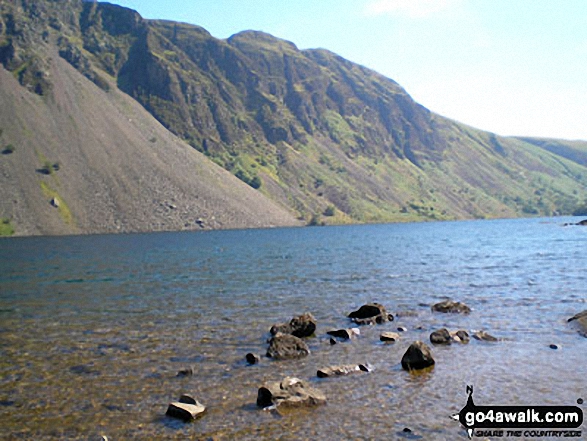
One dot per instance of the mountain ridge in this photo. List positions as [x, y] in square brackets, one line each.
[325, 138]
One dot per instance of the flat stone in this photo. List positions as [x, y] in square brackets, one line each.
[185, 411]
[389, 336]
[334, 371]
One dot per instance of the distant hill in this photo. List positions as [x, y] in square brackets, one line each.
[325, 139]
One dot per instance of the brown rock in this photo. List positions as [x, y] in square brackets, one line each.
[283, 346]
[301, 326]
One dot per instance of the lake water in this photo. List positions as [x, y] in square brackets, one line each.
[94, 329]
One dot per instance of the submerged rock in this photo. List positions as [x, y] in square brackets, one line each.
[370, 314]
[301, 326]
[334, 371]
[186, 409]
[291, 392]
[389, 337]
[283, 346]
[484, 336]
[418, 356]
[450, 306]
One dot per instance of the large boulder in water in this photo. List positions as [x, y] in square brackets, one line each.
[370, 314]
[418, 356]
[283, 346]
[291, 392]
[580, 320]
[301, 326]
[450, 306]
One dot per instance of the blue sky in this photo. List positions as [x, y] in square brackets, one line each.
[513, 67]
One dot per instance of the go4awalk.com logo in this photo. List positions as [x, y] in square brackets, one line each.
[520, 421]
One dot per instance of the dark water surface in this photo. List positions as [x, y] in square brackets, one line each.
[94, 329]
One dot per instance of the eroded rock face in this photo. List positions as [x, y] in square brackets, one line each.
[370, 314]
[418, 356]
[450, 306]
[284, 346]
[301, 326]
[290, 392]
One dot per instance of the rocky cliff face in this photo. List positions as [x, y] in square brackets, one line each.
[314, 132]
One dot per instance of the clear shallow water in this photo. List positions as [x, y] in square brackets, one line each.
[94, 329]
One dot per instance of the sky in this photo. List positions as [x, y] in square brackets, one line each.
[512, 67]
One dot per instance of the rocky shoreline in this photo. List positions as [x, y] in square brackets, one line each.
[288, 341]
